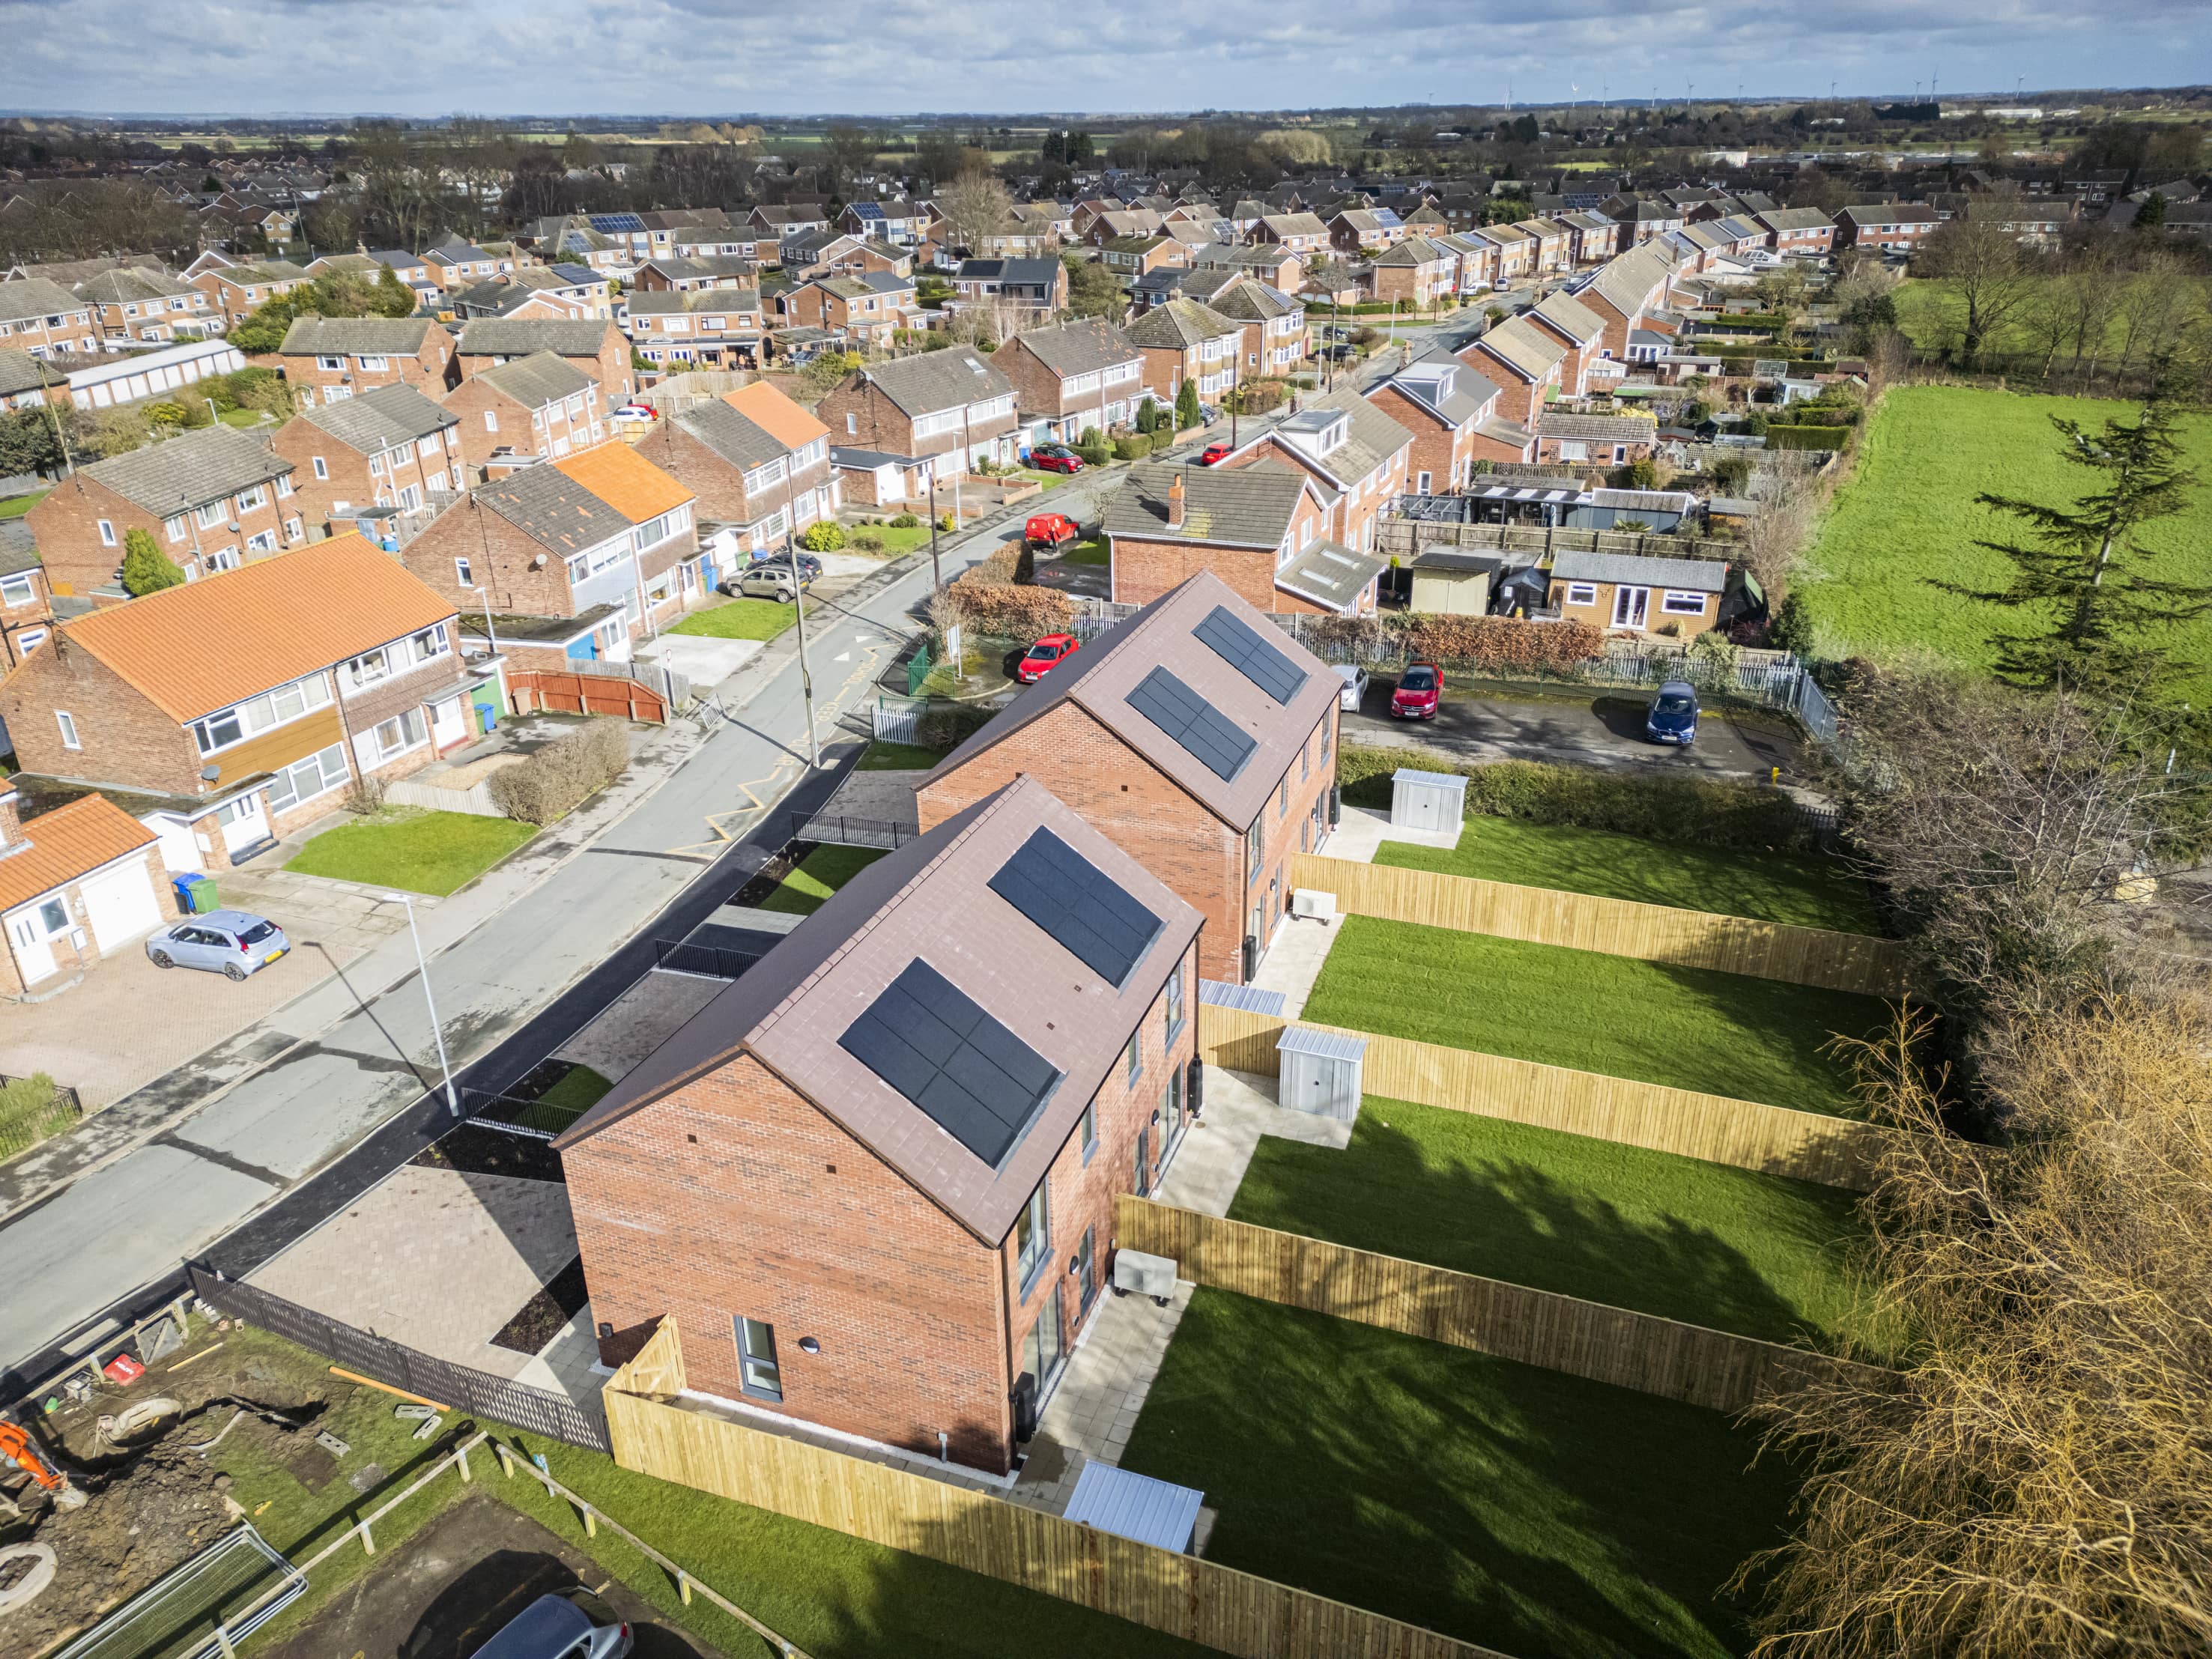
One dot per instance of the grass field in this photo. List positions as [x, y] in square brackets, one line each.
[1759, 1255]
[819, 874]
[1910, 516]
[1806, 893]
[741, 619]
[1522, 1509]
[1687, 1028]
[433, 852]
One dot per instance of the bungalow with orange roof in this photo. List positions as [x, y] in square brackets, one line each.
[83, 882]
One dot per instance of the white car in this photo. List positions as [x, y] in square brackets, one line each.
[1355, 686]
[635, 413]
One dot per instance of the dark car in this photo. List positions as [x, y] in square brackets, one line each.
[1415, 698]
[1056, 458]
[1673, 716]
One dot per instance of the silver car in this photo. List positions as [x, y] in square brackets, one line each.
[1355, 686]
[573, 1624]
[232, 943]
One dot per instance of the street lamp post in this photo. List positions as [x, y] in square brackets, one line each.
[936, 573]
[437, 1031]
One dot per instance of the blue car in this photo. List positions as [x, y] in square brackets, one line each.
[1673, 716]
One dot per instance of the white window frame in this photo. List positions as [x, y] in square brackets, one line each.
[465, 573]
[322, 467]
[67, 721]
[108, 538]
[1582, 593]
[1690, 604]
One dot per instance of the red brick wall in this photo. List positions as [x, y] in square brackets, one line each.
[1036, 388]
[1435, 450]
[124, 737]
[472, 400]
[500, 558]
[424, 369]
[1143, 570]
[718, 484]
[861, 417]
[350, 481]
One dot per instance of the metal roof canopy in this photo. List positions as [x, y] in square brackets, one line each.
[1135, 1506]
[1323, 1045]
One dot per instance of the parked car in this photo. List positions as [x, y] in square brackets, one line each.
[1208, 414]
[1211, 453]
[1040, 658]
[570, 1624]
[1355, 685]
[634, 415]
[1056, 458]
[763, 581]
[232, 943]
[1051, 530]
[1418, 687]
[810, 567]
[1673, 716]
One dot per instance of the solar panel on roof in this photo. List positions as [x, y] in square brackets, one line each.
[1240, 644]
[607, 223]
[1078, 904]
[1203, 730]
[968, 1073]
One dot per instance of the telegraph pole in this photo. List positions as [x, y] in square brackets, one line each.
[936, 572]
[805, 673]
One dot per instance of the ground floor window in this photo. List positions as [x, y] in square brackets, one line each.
[317, 774]
[398, 735]
[1043, 1349]
[758, 1374]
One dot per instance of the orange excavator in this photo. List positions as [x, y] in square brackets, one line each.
[17, 1447]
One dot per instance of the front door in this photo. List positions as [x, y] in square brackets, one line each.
[32, 933]
[1628, 604]
[245, 821]
[448, 723]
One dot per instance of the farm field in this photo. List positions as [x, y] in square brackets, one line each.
[1910, 516]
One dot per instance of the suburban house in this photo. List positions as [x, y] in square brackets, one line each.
[1040, 285]
[667, 274]
[870, 477]
[717, 326]
[1517, 251]
[1131, 256]
[954, 405]
[596, 346]
[837, 253]
[227, 711]
[235, 292]
[1577, 327]
[211, 499]
[1415, 271]
[45, 318]
[872, 1182]
[894, 219]
[572, 558]
[458, 265]
[1298, 233]
[1594, 439]
[1631, 594]
[1891, 227]
[1275, 340]
[1554, 245]
[1366, 230]
[1452, 412]
[542, 406]
[331, 358]
[867, 310]
[1264, 531]
[754, 460]
[1195, 736]
[80, 882]
[390, 447]
[562, 293]
[1480, 259]
[1597, 237]
[1183, 340]
[27, 608]
[1069, 377]
[1273, 265]
[136, 305]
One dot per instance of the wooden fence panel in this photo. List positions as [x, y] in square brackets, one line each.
[536, 689]
[1619, 927]
[1776, 1140]
[1693, 1364]
[1185, 1595]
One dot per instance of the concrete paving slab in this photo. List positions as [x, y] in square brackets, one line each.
[702, 660]
[885, 796]
[637, 1022]
[1294, 958]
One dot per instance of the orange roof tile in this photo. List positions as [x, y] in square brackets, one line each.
[625, 480]
[776, 414]
[206, 645]
[66, 844]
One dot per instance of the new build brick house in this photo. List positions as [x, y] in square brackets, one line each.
[1183, 340]
[574, 558]
[541, 406]
[596, 346]
[953, 407]
[1524, 361]
[327, 359]
[134, 305]
[212, 500]
[1634, 595]
[1196, 736]
[45, 318]
[1275, 340]
[1069, 377]
[754, 460]
[1356, 454]
[80, 882]
[873, 1181]
[1452, 412]
[230, 710]
[717, 326]
[389, 447]
[1263, 530]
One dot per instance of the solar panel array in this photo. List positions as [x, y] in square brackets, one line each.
[1204, 730]
[971, 1076]
[610, 224]
[1078, 904]
[1240, 644]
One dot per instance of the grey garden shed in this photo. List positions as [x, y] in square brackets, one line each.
[1426, 800]
[1319, 1071]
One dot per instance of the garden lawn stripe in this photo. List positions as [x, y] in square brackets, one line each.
[741, 619]
[434, 853]
[819, 874]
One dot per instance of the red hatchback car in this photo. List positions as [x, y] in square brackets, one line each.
[1056, 458]
[1415, 698]
[1213, 453]
[1040, 658]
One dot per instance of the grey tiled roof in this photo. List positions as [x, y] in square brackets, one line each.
[1797, 218]
[1569, 315]
[1330, 574]
[1521, 345]
[1373, 437]
[382, 419]
[1180, 324]
[1249, 507]
[519, 336]
[1414, 250]
[667, 303]
[935, 380]
[743, 443]
[1469, 392]
[20, 372]
[534, 381]
[1250, 301]
[34, 297]
[342, 337]
[551, 509]
[19, 548]
[1625, 282]
[131, 282]
[184, 472]
[1697, 575]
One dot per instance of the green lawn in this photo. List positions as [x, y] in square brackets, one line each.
[1687, 1028]
[897, 541]
[819, 874]
[881, 756]
[1909, 516]
[741, 619]
[432, 853]
[1091, 551]
[1759, 1255]
[1522, 1509]
[1807, 892]
[16, 506]
[1047, 480]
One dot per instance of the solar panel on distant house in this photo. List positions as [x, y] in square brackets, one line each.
[1078, 904]
[1193, 723]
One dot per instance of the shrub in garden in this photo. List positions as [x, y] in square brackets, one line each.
[1499, 644]
[146, 568]
[1134, 447]
[823, 536]
[560, 777]
[905, 521]
[867, 541]
[947, 728]
[1091, 445]
[1002, 610]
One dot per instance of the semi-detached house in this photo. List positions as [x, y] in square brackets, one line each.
[1069, 377]
[1355, 452]
[539, 407]
[758, 463]
[136, 305]
[716, 326]
[951, 407]
[329, 358]
[1525, 362]
[45, 318]
[227, 711]
[593, 346]
[1452, 412]
[1275, 339]
[1184, 341]
[390, 447]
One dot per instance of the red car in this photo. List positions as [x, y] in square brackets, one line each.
[1415, 698]
[1056, 458]
[1213, 454]
[1051, 530]
[1040, 658]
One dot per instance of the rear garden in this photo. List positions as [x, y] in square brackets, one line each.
[816, 876]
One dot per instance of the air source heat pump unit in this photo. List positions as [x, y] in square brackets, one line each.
[1147, 1275]
[1312, 903]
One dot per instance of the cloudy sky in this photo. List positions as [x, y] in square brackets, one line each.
[718, 56]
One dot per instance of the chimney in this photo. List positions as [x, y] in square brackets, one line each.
[1174, 502]
[11, 821]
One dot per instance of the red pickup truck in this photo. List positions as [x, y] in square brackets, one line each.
[1051, 530]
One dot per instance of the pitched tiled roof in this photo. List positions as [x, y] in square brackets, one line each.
[1250, 301]
[1797, 218]
[934, 381]
[1328, 572]
[1294, 224]
[131, 282]
[1246, 507]
[1569, 316]
[1180, 324]
[205, 646]
[742, 442]
[625, 480]
[1372, 439]
[382, 419]
[1414, 250]
[184, 472]
[341, 336]
[519, 336]
[770, 410]
[34, 297]
[19, 547]
[534, 381]
[65, 843]
[1521, 345]
[1697, 575]
[551, 509]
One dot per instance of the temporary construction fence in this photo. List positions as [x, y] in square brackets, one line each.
[1837, 1152]
[1693, 1364]
[1619, 927]
[578, 1423]
[658, 1432]
[200, 1608]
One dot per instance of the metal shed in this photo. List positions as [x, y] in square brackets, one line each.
[1136, 1506]
[1426, 800]
[1319, 1071]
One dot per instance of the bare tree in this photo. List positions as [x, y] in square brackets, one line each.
[1790, 492]
[1980, 259]
[976, 205]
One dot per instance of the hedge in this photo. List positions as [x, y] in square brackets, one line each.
[1807, 437]
[1697, 810]
[564, 773]
[1001, 611]
[1495, 642]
